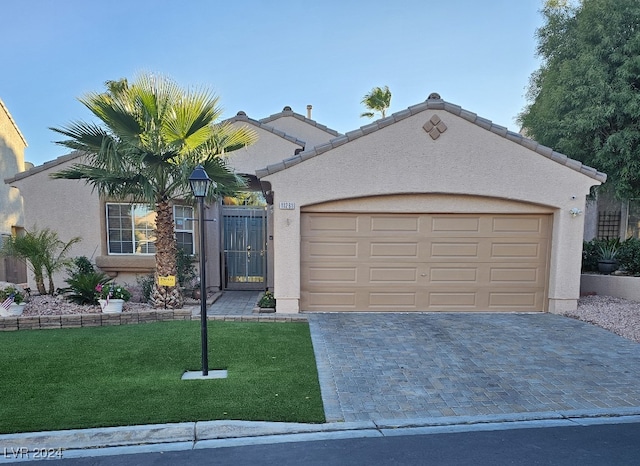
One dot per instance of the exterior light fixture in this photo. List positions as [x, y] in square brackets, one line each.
[575, 212]
[200, 185]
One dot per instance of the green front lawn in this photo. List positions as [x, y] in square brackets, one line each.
[131, 374]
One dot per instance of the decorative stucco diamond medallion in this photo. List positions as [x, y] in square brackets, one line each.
[435, 127]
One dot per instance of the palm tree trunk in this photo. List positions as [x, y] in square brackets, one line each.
[167, 297]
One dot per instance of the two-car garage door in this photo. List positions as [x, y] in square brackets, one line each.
[416, 262]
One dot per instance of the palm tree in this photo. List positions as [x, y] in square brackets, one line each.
[377, 100]
[44, 251]
[151, 135]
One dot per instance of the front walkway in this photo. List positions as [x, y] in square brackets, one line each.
[430, 365]
[234, 303]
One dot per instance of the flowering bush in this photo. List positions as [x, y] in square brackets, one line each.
[267, 300]
[112, 291]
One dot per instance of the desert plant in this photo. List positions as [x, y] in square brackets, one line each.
[608, 249]
[82, 287]
[44, 251]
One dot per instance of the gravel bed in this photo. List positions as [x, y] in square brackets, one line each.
[56, 305]
[619, 316]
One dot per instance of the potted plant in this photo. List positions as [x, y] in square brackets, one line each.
[112, 297]
[11, 301]
[267, 302]
[607, 252]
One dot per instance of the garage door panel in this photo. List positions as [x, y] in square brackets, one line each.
[484, 262]
[393, 249]
[455, 249]
[516, 250]
[518, 225]
[331, 275]
[523, 275]
[394, 224]
[331, 249]
[389, 300]
[441, 274]
[397, 275]
[452, 300]
[449, 224]
[315, 225]
[331, 300]
[513, 301]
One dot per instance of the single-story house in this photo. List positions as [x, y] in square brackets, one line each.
[432, 208]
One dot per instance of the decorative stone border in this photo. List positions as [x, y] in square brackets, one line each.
[125, 318]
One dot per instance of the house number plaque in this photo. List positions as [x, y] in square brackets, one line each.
[287, 206]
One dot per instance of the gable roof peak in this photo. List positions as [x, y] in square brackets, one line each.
[435, 102]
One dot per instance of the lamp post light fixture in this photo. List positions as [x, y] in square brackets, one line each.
[200, 184]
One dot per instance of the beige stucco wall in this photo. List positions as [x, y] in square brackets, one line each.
[12, 146]
[403, 159]
[311, 135]
[67, 207]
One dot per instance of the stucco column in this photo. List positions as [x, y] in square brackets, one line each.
[566, 261]
[286, 245]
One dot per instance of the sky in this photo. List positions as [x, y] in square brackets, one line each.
[261, 55]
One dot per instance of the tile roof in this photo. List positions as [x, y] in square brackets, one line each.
[287, 112]
[45, 166]
[242, 117]
[434, 102]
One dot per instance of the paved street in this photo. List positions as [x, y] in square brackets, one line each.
[405, 366]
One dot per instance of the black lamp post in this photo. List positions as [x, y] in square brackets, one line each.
[200, 183]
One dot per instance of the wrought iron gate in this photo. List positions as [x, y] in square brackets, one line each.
[244, 244]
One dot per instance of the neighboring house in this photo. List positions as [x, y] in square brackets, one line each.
[12, 146]
[119, 236]
[432, 208]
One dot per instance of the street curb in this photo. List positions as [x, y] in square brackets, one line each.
[194, 432]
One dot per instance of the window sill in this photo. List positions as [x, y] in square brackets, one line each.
[112, 265]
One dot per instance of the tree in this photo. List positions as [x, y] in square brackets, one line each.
[377, 100]
[584, 101]
[44, 251]
[151, 135]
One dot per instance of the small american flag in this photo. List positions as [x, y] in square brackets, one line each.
[7, 302]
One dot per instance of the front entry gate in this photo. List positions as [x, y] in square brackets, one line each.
[244, 244]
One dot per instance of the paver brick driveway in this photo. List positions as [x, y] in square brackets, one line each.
[402, 366]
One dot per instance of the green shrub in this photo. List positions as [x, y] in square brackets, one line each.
[629, 256]
[589, 256]
[18, 295]
[146, 283]
[186, 272]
